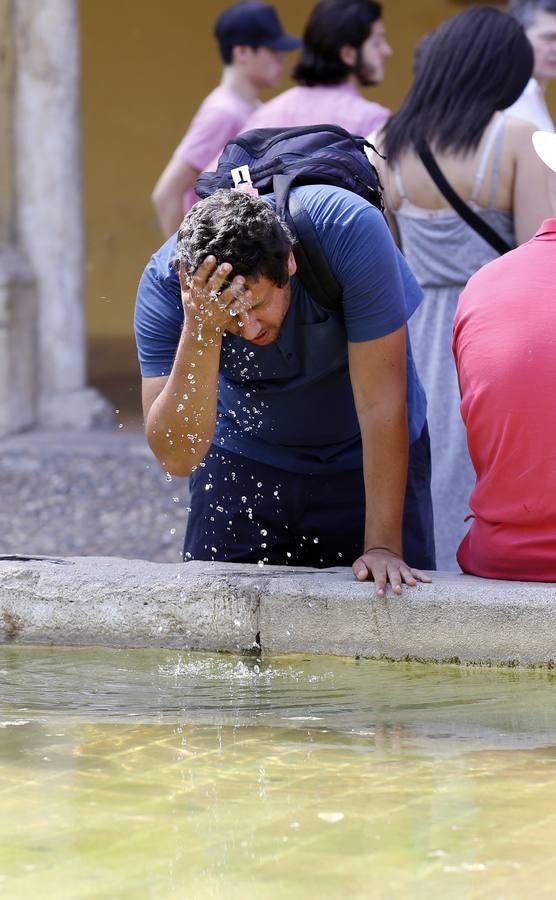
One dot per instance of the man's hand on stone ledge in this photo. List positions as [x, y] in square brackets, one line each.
[383, 566]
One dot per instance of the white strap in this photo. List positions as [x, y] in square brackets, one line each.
[483, 162]
[398, 179]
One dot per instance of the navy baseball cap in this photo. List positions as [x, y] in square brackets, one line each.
[254, 25]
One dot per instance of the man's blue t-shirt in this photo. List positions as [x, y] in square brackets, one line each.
[290, 404]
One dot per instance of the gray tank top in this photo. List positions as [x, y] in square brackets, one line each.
[440, 247]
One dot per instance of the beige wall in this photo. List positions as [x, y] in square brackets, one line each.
[146, 66]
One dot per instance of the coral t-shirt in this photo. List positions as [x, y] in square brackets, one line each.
[505, 351]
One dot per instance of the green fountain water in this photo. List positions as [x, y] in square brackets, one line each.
[156, 774]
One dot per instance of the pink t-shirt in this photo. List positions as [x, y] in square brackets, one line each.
[220, 117]
[339, 104]
[505, 351]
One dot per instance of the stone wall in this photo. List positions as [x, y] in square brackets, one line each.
[235, 607]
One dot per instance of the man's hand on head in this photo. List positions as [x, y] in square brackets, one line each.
[383, 566]
[212, 304]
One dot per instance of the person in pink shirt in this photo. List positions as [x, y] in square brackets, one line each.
[344, 49]
[505, 350]
[253, 48]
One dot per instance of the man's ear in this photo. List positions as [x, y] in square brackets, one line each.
[292, 265]
[241, 53]
[348, 55]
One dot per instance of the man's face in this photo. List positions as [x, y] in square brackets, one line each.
[262, 323]
[542, 34]
[372, 55]
[264, 67]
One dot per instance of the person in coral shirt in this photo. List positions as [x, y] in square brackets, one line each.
[505, 351]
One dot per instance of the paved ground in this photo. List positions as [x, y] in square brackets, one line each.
[98, 493]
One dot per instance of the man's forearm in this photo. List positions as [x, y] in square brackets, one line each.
[385, 457]
[169, 212]
[180, 423]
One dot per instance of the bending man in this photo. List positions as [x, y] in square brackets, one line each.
[292, 419]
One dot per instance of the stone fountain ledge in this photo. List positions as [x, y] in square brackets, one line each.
[225, 606]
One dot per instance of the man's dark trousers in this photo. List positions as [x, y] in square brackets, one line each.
[246, 511]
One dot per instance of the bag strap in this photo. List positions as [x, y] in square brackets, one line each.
[312, 264]
[467, 214]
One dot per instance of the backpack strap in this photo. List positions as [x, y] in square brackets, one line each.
[281, 184]
[312, 264]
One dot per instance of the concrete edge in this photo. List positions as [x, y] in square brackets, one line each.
[234, 607]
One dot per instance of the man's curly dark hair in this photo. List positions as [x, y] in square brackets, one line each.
[237, 228]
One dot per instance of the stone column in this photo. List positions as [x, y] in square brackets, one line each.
[47, 131]
[18, 352]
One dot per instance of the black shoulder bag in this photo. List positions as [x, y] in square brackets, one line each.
[467, 214]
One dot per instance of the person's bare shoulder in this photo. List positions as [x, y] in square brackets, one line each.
[518, 132]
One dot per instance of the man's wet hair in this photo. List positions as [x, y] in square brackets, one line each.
[237, 228]
[331, 25]
[476, 63]
[525, 11]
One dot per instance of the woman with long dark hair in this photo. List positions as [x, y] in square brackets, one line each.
[468, 71]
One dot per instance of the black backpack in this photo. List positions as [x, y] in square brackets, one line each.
[275, 159]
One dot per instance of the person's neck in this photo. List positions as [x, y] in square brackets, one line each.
[235, 80]
[353, 81]
[542, 82]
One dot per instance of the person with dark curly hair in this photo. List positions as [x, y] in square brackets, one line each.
[303, 429]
